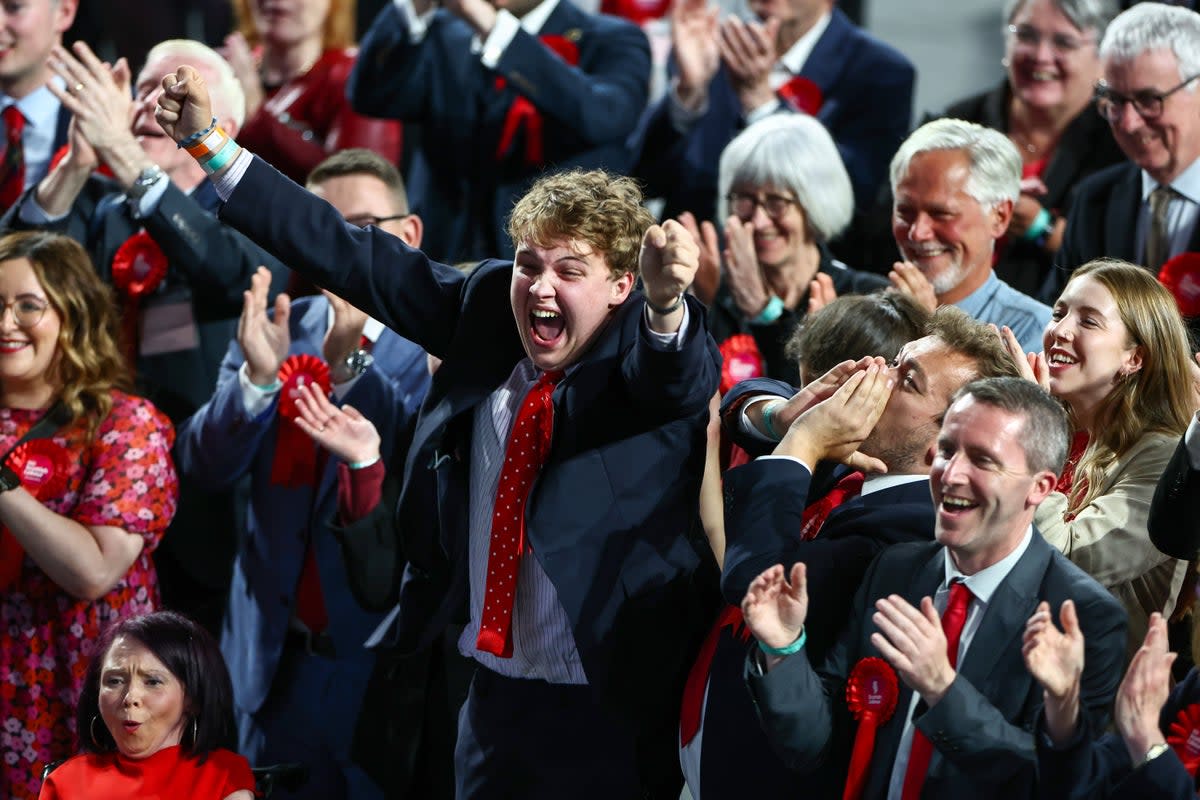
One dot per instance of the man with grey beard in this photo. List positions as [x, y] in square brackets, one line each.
[954, 184]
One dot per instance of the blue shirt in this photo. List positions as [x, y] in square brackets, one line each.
[1000, 304]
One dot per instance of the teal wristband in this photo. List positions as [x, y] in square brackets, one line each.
[363, 464]
[772, 312]
[221, 157]
[790, 650]
[1040, 226]
[273, 386]
[768, 419]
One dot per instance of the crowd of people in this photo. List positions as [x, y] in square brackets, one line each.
[736, 506]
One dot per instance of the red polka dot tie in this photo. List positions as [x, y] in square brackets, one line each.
[12, 163]
[528, 446]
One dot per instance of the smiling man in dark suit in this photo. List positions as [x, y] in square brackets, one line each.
[503, 91]
[946, 618]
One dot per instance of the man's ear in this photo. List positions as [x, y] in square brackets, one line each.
[621, 288]
[64, 15]
[411, 231]
[1043, 484]
[1001, 216]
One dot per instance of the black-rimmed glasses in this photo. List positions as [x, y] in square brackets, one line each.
[743, 204]
[363, 220]
[1031, 38]
[1147, 103]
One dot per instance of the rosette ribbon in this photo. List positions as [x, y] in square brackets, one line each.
[802, 95]
[740, 359]
[138, 268]
[522, 114]
[295, 463]
[1181, 276]
[1184, 737]
[42, 467]
[871, 695]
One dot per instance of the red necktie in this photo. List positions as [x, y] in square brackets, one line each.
[815, 515]
[310, 599]
[953, 620]
[528, 447]
[12, 166]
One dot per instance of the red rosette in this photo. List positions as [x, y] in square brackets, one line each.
[1181, 275]
[1184, 737]
[740, 360]
[295, 462]
[42, 465]
[871, 695]
[138, 266]
[802, 95]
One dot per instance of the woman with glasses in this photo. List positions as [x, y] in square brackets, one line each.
[784, 193]
[1044, 107]
[87, 487]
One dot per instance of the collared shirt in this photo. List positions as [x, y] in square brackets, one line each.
[983, 585]
[1182, 211]
[40, 109]
[498, 39]
[1000, 304]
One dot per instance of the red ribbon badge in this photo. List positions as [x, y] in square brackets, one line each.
[138, 267]
[42, 467]
[1184, 737]
[740, 359]
[636, 11]
[802, 95]
[1181, 275]
[871, 695]
[523, 114]
[295, 461]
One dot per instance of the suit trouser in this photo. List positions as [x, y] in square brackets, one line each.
[529, 739]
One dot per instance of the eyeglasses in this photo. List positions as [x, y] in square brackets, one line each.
[28, 310]
[1147, 103]
[743, 204]
[363, 220]
[1063, 44]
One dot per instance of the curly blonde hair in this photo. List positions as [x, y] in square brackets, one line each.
[1155, 399]
[336, 34]
[87, 363]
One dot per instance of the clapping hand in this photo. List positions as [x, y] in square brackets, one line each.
[708, 273]
[694, 42]
[1144, 691]
[342, 431]
[775, 608]
[908, 279]
[748, 50]
[264, 340]
[97, 96]
[742, 271]
[1055, 660]
[834, 428]
[912, 640]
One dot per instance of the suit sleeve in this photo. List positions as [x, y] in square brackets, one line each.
[1174, 521]
[731, 409]
[673, 383]
[1108, 538]
[392, 77]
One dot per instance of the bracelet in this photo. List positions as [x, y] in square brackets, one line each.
[771, 312]
[209, 145]
[668, 309]
[221, 157]
[1040, 226]
[197, 136]
[768, 419]
[790, 650]
[363, 464]
[273, 386]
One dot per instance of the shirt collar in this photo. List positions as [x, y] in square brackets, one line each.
[983, 584]
[536, 18]
[39, 107]
[799, 52]
[1187, 183]
[877, 483]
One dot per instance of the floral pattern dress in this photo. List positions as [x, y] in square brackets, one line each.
[123, 478]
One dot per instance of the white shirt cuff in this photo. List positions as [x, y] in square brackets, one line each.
[1191, 440]
[763, 111]
[499, 38]
[255, 399]
[418, 24]
[745, 426]
[667, 341]
[228, 181]
[31, 212]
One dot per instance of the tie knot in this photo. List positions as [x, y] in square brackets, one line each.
[959, 593]
[550, 377]
[1160, 197]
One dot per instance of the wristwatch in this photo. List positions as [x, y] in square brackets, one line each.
[355, 364]
[9, 480]
[1155, 751]
[145, 179]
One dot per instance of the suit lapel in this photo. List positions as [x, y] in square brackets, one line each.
[1120, 220]
[827, 60]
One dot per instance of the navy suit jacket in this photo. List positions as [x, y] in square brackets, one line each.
[222, 443]
[457, 185]
[764, 503]
[982, 729]
[867, 91]
[1174, 523]
[611, 516]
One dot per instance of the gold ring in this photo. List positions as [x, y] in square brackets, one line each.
[78, 88]
[321, 429]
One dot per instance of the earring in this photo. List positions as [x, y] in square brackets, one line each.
[92, 732]
[195, 730]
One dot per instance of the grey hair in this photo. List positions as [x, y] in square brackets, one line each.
[226, 94]
[995, 163]
[1045, 436]
[791, 152]
[1155, 26]
[1085, 15]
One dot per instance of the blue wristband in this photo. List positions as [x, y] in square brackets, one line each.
[771, 312]
[790, 650]
[1040, 226]
[198, 135]
[768, 419]
[363, 464]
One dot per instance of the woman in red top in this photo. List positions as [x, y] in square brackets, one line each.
[155, 719]
[293, 60]
[83, 500]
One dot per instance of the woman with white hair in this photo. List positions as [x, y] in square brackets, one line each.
[784, 194]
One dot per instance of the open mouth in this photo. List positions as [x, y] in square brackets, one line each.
[957, 505]
[130, 727]
[12, 346]
[1058, 360]
[547, 326]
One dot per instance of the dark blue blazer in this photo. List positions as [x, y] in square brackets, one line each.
[982, 729]
[867, 88]
[462, 192]
[764, 503]
[221, 443]
[613, 515]
[1174, 523]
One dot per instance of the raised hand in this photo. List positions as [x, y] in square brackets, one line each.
[237, 52]
[1032, 366]
[820, 292]
[694, 41]
[668, 261]
[342, 431]
[908, 279]
[184, 107]
[1055, 660]
[748, 50]
[742, 271]
[1143, 692]
[264, 341]
[913, 642]
[835, 427]
[775, 608]
[97, 96]
[816, 391]
[708, 274]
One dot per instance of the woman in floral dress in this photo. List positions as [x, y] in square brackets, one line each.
[83, 500]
